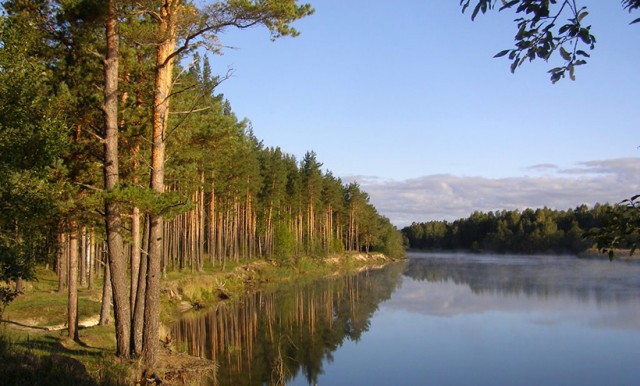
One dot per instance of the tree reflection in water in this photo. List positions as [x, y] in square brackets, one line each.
[533, 276]
[267, 338]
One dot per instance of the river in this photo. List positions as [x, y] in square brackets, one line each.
[436, 319]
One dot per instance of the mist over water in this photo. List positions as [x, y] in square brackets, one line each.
[441, 319]
[482, 283]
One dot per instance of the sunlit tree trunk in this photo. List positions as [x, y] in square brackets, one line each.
[138, 311]
[107, 294]
[201, 222]
[116, 259]
[72, 303]
[82, 266]
[162, 89]
[212, 231]
[135, 232]
[62, 264]
[91, 256]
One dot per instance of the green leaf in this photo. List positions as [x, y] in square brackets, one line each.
[508, 4]
[585, 36]
[635, 21]
[571, 72]
[514, 65]
[501, 53]
[582, 15]
[565, 55]
[476, 10]
[464, 7]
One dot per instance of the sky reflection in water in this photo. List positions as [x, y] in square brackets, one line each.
[500, 320]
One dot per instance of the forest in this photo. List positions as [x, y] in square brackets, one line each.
[531, 231]
[118, 158]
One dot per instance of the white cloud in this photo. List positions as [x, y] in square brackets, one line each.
[449, 197]
[543, 167]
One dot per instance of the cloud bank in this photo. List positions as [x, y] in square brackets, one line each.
[450, 197]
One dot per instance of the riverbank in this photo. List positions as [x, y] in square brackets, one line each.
[34, 346]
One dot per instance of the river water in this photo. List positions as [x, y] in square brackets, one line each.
[436, 319]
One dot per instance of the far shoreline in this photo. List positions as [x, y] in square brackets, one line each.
[591, 253]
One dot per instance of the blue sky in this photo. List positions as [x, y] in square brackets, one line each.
[406, 98]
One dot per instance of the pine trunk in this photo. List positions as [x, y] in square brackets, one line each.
[162, 89]
[82, 266]
[135, 228]
[138, 311]
[116, 258]
[211, 242]
[72, 303]
[62, 265]
[201, 220]
[107, 295]
[91, 257]
[135, 256]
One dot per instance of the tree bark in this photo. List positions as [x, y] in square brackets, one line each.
[82, 266]
[72, 303]
[107, 294]
[162, 90]
[116, 259]
[91, 257]
[62, 266]
[138, 311]
[135, 255]
[135, 232]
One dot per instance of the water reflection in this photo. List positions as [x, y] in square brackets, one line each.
[269, 338]
[436, 319]
[552, 289]
[533, 276]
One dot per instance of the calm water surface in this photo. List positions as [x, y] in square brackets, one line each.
[438, 319]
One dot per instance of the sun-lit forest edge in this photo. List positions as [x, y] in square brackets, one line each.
[107, 189]
[573, 231]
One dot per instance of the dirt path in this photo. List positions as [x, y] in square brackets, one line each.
[29, 324]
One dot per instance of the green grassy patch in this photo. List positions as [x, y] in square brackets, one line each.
[47, 359]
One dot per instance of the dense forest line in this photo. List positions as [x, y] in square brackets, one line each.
[227, 198]
[118, 157]
[529, 231]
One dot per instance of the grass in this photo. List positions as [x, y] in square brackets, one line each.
[42, 296]
[35, 349]
[46, 358]
[38, 355]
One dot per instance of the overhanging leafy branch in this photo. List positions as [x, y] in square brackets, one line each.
[546, 27]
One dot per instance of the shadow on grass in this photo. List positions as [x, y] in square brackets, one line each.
[52, 345]
[20, 365]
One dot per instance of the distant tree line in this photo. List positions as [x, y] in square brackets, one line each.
[529, 231]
